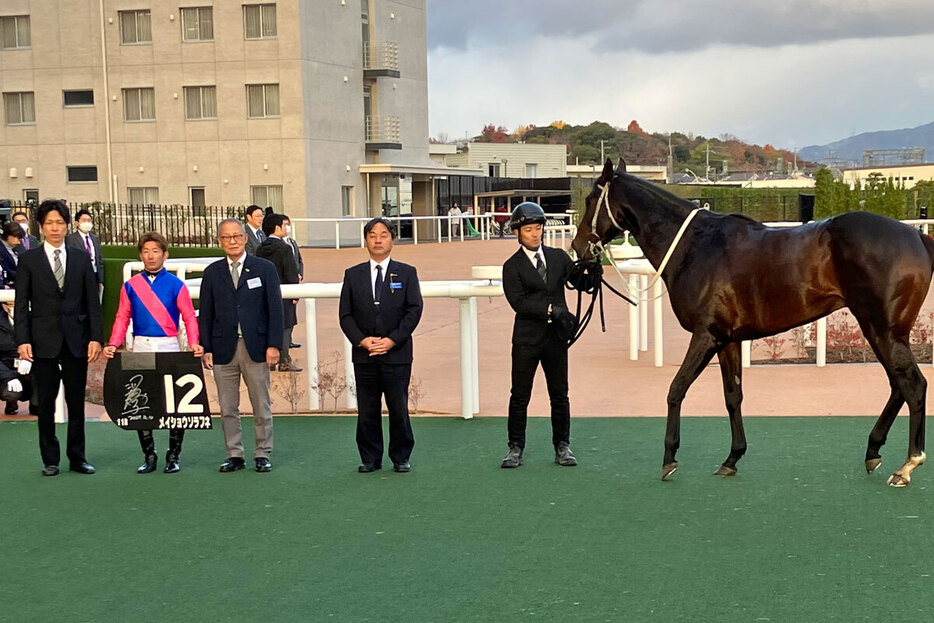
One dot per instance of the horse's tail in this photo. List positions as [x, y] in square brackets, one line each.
[929, 245]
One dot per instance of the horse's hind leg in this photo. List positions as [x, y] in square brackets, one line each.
[895, 356]
[880, 430]
[700, 352]
[731, 369]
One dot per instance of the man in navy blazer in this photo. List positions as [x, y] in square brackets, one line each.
[241, 331]
[58, 328]
[380, 306]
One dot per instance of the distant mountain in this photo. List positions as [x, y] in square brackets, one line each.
[852, 148]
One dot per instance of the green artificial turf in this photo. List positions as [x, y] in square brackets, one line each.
[800, 534]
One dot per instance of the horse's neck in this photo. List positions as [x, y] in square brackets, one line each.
[658, 224]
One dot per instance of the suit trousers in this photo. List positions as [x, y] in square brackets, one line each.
[552, 353]
[256, 376]
[375, 380]
[72, 372]
[143, 344]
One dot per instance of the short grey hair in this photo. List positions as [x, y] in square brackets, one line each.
[230, 220]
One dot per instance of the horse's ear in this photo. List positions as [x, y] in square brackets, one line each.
[621, 166]
[607, 174]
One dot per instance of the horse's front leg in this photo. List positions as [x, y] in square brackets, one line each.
[731, 369]
[701, 350]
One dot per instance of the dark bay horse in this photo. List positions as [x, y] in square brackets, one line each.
[732, 279]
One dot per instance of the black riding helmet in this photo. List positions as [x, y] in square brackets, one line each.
[526, 213]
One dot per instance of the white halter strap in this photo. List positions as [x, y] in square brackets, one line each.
[604, 201]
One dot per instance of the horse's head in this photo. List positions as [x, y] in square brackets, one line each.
[597, 225]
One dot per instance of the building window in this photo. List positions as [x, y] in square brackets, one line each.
[346, 200]
[262, 100]
[14, 32]
[139, 104]
[531, 169]
[84, 97]
[200, 103]
[259, 21]
[198, 24]
[31, 194]
[493, 169]
[135, 27]
[82, 174]
[143, 196]
[20, 108]
[267, 196]
[196, 197]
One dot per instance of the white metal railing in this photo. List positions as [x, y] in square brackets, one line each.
[383, 129]
[381, 55]
[464, 225]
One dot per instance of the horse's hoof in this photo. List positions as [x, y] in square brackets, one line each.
[897, 481]
[668, 469]
[723, 470]
[872, 465]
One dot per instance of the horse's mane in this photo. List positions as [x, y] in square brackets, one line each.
[654, 192]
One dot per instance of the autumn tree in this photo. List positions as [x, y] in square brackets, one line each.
[493, 133]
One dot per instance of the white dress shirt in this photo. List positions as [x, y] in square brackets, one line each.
[50, 254]
[373, 265]
[533, 255]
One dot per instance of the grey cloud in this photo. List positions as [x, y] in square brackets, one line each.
[674, 25]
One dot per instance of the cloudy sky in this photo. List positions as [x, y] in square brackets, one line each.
[787, 72]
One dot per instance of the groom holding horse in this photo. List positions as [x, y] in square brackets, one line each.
[533, 281]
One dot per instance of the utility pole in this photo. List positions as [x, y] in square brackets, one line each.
[602, 157]
[707, 172]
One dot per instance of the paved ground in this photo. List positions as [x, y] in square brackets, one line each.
[604, 382]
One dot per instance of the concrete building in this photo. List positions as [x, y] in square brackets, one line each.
[906, 174]
[318, 108]
[524, 160]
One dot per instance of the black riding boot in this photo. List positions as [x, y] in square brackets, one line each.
[176, 436]
[148, 444]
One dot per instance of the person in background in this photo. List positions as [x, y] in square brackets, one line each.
[380, 306]
[279, 252]
[289, 238]
[155, 300]
[15, 379]
[29, 241]
[241, 331]
[58, 329]
[454, 225]
[86, 241]
[254, 229]
[11, 236]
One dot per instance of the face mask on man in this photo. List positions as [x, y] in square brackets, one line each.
[25, 227]
[85, 226]
[288, 231]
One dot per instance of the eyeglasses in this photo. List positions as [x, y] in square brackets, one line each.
[231, 238]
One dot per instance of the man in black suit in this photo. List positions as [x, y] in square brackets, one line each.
[241, 332]
[380, 306]
[279, 252]
[29, 241]
[86, 241]
[58, 328]
[533, 281]
[289, 238]
[254, 228]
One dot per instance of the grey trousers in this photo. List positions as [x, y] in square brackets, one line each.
[256, 376]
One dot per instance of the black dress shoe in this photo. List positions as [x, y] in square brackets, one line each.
[233, 464]
[171, 463]
[149, 466]
[513, 458]
[369, 467]
[294, 345]
[402, 468]
[82, 468]
[11, 409]
[262, 464]
[563, 455]
[50, 470]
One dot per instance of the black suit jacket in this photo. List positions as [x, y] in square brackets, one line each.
[298, 257]
[395, 317]
[7, 265]
[279, 252]
[256, 305]
[47, 317]
[74, 240]
[530, 297]
[252, 242]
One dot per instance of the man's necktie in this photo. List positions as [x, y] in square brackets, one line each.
[540, 267]
[59, 270]
[235, 273]
[26, 243]
[87, 241]
[379, 283]
[260, 236]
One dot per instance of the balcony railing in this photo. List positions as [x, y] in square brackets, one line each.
[382, 132]
[381, 58]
